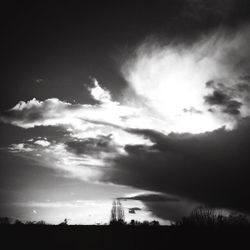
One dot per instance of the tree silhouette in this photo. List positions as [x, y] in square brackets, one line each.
[117, 213]
[209, 217]
[4, 221]
[64, 223]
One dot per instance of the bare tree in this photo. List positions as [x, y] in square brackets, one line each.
[117, 213]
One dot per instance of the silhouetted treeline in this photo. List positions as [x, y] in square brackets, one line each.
[126, 237]
[208, 218]
[11, 221]
[201, 217]
[134, 223]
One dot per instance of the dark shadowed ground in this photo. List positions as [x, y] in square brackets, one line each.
[108, 237]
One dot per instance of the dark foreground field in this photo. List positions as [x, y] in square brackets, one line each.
[107, 237]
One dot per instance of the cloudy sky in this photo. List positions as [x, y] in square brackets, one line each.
[146, 102]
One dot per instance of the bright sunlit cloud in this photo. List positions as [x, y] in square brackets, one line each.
[170, 79]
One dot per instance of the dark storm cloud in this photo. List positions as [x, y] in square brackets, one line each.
[150, 198]
[172, 211]
[233, 107]
[211, 168]
[227, 97]
[162, 206]
[228, 105]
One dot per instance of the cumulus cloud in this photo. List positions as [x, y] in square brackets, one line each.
[38, 113]
[52, 112]
[43, 143]
[100, 94]
[81, 121]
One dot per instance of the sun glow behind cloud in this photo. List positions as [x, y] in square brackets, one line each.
[172, 78]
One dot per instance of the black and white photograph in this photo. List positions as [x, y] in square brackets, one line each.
[125, 124]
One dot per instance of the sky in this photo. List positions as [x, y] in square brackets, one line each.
[148, 103]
